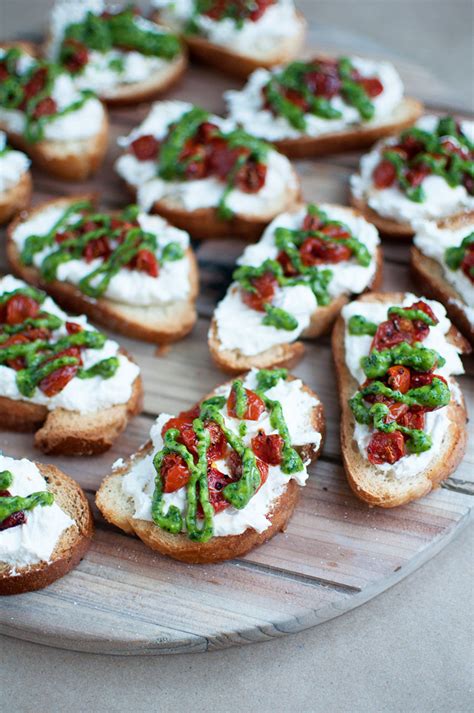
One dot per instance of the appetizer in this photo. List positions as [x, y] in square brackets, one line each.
[129, 271]
[442, 262]
[293, 283]
[117, 53]
[236, 36]
[222, 477]
[205, 175]
[62, 128]
[46, 525]
[403, 423]
[15, 180]
[323, 105]
[425, 173]
[59, 377]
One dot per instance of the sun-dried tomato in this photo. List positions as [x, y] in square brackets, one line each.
[187, 436]
[398, 378]
[265, 288]
[146, 261]
[35, 84]
[312, 222]
[268, 448]
[16, 518]
[55, 382]
[97, 248]
[174, 472]
[251, 177]
[255, 405]
[77, 55]
[18, 308]
[45, 107]
[413, 419]
[415, 176]
[234, 463]
[145, 148]
[372, 85]
[384, 174]
[315, 251]
[73, 327]
[386, 447]
[324, 82]
[221, 159]
[424, 308]
[19, 362]
[421, 378]
[289, 270]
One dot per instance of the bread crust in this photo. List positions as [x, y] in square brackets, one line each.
[357, 138]
[159, 325]
[119, 511]
[205, 224]
[241, 65]
[388, 227]
[364, 479]
[73, 543]
[16, 198]
[288, 355]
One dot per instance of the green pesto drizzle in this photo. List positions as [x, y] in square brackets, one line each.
[11, 504]
[240, 398]
[454, 256]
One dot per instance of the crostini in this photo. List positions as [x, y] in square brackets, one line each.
[425, 173]
[293, 283]
[15, 180]
[117, 53]
[128, 271]
[442, 262]
[236, 37]
[222, 477]
[403, 423]
[46, 525]
[323, 105]
[59, 377]
[204, 174]
[63, 129]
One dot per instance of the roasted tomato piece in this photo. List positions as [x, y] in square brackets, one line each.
[55, 382]
[372, 85]
[45, 107]
[396, 410]
[76, 55]
[3, 72]
[384, 174]
[265, 287]
[312, 222]
[415, 176]
[145, 148]
[335, 231]
[36, 83]
[295, 98]
[386, 447]
[268, 448]
[324, 82]
[19, 362]
[467, 265]
[146, 261]
[412, 419]
[394, 331]
[16, 518]
[216, 482]
[187, 436]
[421, 378]
[424, 308]
[251, 177]
[221, 159]
[234, 464]
[255, 406]
[73, 327]
[399, 378]
[206, 132]
[99, 247]
[258, 9]
[174, 472]
[18, 308]
[218, 445]
[315, 251]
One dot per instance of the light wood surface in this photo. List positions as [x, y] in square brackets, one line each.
[337, 552]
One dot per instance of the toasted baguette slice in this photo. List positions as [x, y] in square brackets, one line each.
[429, 275]
[156, 324]
[369, 483]
[73, 543]
[158, 83]
[118, 509]
[286, 354]
[354, 138]
[241, 65]
[16, 198]
[72, 160]
[205, 223]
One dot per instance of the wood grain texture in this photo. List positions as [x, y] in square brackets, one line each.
[336, 553]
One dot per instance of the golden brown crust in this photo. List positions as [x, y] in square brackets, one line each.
[119, 511]
[156, 325]
[154, 87]
[71, 547]
[352, 139]
[241, 65]
[365, 479]
[16, 198]
[388, 227]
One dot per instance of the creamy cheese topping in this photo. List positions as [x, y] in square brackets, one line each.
[100, 73]
[441, 199]
[35, 540]
[207, 192]
[240, 327]
[278, 24]
[433, 242]
[247, 106]
[75, 125]
[130, 287]
[13, 164]
[436, 422]
[83, 395]
[297, 405]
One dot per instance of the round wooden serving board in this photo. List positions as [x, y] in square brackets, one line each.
[337, 552]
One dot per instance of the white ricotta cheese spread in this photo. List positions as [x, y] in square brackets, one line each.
[297, 405]
[441, 199]
[206, 192]
[13, 164]
[36, 539]
[240, 327]
[129, 287]
[83, 395]
[278, 24]
[246, 106]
